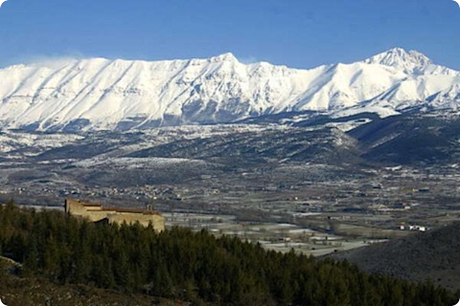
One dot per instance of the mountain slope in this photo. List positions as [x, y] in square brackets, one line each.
[432, 255]
[98, 94]
[411, 62]
[412, 138]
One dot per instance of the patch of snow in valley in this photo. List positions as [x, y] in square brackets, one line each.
[134, 163]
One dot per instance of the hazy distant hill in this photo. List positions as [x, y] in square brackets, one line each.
[433, 255]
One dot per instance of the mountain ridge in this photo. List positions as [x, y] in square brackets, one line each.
[102, 94]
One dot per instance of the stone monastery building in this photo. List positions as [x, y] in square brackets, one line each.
[95, 213]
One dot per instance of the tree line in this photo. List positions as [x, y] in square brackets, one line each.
[193, 266]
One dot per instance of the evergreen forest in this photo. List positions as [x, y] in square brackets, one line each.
[191, 266]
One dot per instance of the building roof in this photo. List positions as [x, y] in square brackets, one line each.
[87, 203]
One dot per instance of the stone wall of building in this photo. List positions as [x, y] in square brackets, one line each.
[96, 212]
[158, 221]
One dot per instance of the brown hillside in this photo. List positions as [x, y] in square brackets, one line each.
[33, 291]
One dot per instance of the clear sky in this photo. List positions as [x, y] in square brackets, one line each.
[296, 33]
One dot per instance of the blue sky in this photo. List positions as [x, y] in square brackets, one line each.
[296, 33]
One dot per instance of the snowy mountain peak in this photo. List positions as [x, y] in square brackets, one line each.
[226, 57]
[411, 62]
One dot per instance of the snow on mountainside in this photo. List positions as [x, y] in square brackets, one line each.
[411, 62]
[96, 94]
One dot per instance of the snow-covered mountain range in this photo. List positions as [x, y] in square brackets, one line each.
[101, 94]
